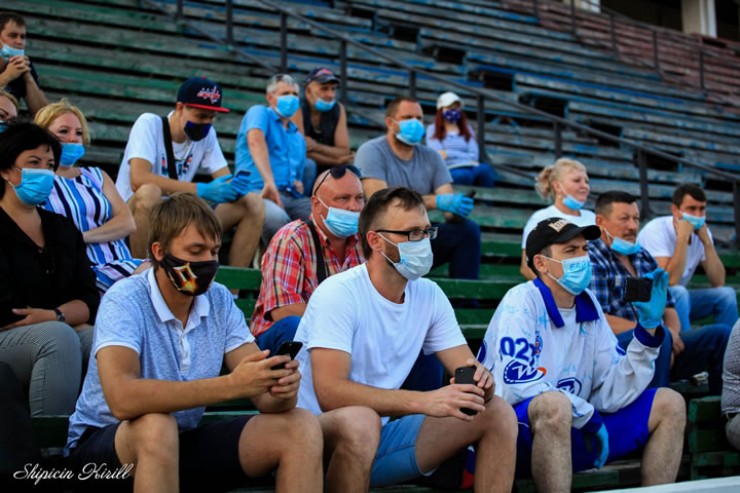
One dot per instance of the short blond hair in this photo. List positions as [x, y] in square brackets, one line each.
[11, 98]
[46, 116]
[554, 173]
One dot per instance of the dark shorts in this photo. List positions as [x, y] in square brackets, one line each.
[209, 455]
[628, 432]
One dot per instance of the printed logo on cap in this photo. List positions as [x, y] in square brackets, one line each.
[559, 225]
[211, 94]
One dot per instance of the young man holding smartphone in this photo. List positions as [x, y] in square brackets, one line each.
[362, 332]
[163, 155]
[579, 399]
[160, 341]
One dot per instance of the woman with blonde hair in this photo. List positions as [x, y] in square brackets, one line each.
[565, 182]
[88, 196]
[8, 109]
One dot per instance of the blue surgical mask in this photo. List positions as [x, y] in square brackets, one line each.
[410, 131]
[697, 221]
[71, 152]
[341, 223]
[323, 106]
[621, 246]
[8, 51]
[3, 127]
[35, 186]
[452, 116]
[576, 274]
[416, 258]
[572, 203]
[287, 105]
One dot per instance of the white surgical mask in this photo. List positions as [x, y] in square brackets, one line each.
[416, 258]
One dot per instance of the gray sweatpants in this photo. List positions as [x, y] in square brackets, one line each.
[48, 359]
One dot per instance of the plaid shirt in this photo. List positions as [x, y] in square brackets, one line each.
[289, 270]
[609, 276]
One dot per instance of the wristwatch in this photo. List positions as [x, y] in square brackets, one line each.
[60, 315]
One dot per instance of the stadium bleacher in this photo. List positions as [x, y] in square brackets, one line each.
[116, 59]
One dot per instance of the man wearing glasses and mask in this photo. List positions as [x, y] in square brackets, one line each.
[361, 334]
[304, 253]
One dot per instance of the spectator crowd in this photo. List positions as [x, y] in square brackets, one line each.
[109, 312]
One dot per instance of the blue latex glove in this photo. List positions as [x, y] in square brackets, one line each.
[218, 191]
[602, 436]
[455, 203]
[650, 313]
[240, 183]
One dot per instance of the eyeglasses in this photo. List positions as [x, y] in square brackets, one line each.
[337, 172]
[414, 234]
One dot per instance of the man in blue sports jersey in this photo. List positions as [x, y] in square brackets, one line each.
[580, 400]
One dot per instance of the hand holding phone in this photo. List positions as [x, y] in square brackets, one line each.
[290, 348]
[464, 375]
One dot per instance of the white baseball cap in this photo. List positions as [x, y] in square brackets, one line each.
[447, 99]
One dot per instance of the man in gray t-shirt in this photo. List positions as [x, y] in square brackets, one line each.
[397, 160]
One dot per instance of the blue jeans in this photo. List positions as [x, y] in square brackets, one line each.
[309, 176]
[704, 350]
[480, 176]
[458, 244]
[696, 304]
[276, 217]
[281, 331]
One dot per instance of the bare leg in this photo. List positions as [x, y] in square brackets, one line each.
[141, 205]
[248, 215]
[662, 455]
[351, 438]
[290, 442]
[494, 431]
[552, 463]
[151, 443]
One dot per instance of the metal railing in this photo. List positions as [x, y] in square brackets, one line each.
[641, 151]
[654, 35]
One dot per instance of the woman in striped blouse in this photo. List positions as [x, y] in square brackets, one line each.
[452, 136]
[88, 196]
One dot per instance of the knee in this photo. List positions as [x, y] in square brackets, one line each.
[679, 292]
[357, 431]
[726, 295]
[304, 431]
[254, 206]
[500, 418]
[60, 337]
[156, 436]
[471, 230]
[146, 197]
[669, 405]
[550, 411]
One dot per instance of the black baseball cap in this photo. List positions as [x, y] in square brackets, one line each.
[199, 92]
[553, 231]
[322, 75]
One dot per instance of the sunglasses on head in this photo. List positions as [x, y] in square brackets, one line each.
[337, 172]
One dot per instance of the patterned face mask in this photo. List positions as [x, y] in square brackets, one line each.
[190, 278]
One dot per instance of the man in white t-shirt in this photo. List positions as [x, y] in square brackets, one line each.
[362, 332]
[679, 243]
[146, 176]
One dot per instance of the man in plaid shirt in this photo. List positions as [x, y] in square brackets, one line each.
[291, 268]
[615, 257]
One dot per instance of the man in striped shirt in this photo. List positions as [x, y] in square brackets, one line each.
[302, 254]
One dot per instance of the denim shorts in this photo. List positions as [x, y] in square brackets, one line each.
[395, 461]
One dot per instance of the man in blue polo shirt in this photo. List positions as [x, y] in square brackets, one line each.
[272, 149]
[580, 399]
[161, 338]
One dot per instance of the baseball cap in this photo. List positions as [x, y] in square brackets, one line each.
[447, 99]
[199, 92]
[322, 75]
[553, 231]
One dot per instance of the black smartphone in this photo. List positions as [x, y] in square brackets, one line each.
[288, 347]
[470, 194]
[465, 374]
[637, 289]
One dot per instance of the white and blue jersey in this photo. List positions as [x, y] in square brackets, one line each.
[532, 346]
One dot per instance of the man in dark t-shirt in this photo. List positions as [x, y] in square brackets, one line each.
[17, 73]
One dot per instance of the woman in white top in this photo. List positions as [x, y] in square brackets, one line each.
[566, 183]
